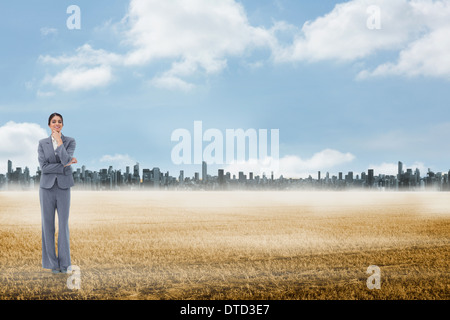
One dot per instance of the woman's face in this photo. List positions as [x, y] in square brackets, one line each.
[56, 124]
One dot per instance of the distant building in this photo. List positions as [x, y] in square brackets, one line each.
[136, 177]
[370, 178]
[9, 172]
[204, 172]
[181, 177]
[400, 170]
[221, 177]
[156, 177]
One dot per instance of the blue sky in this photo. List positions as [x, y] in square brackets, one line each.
[343, 96]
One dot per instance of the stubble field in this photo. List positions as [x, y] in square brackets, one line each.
[233, 245]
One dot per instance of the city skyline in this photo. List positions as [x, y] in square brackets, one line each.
[114, 179]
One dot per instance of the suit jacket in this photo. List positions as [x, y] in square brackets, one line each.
[52, 165]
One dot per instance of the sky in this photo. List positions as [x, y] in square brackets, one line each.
[349, 85]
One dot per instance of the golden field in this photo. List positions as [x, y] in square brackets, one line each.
[233, 245]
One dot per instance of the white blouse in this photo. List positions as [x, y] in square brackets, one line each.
[55, 144]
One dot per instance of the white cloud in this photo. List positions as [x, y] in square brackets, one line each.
[87, 69]
[72, 79]
[85, 55]
[343, 35]
[392, 168]
[118, 161]
[417, 29]
[293, 166]
[200, 30]
[197, 35]
[427, 56]
[20, 145]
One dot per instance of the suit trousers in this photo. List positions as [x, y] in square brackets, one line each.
[53, 199]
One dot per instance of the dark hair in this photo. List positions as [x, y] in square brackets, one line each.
[54, 115]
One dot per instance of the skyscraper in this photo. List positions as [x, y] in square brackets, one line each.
[9, 166]
[370, 179]
[136, 177]
[349, 177]
[156, 177]
[400, 170]
[221, 177]
[9, 172]
[181, 177]
[204, 172]
[146, 176]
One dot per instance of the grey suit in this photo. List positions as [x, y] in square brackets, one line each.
[54, 194]
[52, 165]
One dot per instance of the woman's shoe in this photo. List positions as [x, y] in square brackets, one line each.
[66, 270]
[56, 271]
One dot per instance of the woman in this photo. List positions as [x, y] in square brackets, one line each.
[55, 155]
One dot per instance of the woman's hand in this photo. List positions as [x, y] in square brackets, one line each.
[73, 161]
[57, 136]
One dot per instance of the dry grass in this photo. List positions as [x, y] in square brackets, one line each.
[233, 245]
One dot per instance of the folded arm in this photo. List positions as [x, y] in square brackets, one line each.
[66, 154]
[46, 166]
